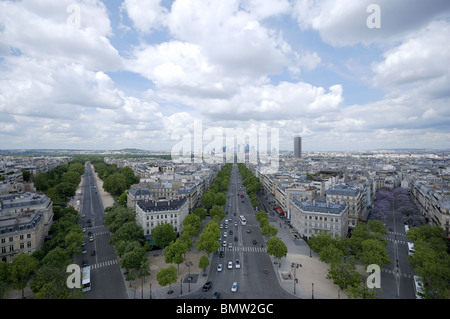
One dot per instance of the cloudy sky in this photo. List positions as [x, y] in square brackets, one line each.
[115, 74]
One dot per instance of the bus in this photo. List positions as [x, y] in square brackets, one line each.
[243, 220]
[410, 249]
[86, 279]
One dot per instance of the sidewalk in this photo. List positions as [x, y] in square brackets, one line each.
[152, 289]
[312, 273]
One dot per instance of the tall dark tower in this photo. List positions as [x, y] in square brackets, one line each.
[297, 147]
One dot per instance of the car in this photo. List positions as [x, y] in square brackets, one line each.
[234, 287]
[89, 221]
[230, 265]
[207, 286]
[224, 243]
[221, 226]
[84, 230]
[221, 254]
[83, 243]
[230, 232]
[248, 230]
[224, 234]
[216, 295]
[93, 253]
[219, 267]
[84, 215]
[235, 224]
[226, 226]
[235, 238]
[231, 219]
[84, 263]
[254, 242]
[238, 264]
[230, 245]
[91, 238]
[84, 250]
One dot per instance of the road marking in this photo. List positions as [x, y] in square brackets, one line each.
[105, 264]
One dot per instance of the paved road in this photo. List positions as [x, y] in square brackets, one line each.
[106, 277]
[253, 283]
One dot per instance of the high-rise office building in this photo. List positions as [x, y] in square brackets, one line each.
[297, 146]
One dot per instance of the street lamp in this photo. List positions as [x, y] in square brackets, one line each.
[295, 266]
[181, 286]
[189, 264]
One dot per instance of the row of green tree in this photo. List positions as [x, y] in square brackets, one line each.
[251, 183]
[176, 248]
[61, 182]
[45, 269]
[275, 246]
[431, 260]
[116, 180]
[366, 245]
[127, 237]
[215, 195]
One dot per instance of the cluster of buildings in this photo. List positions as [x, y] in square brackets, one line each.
[313, 191]
[167, 191]
[333, 191]
[11, 167]
[25, 215]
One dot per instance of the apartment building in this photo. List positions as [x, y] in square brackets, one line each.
[353, 196]
[25, 220]
[432, 198]
[311, 217]
[151, 213]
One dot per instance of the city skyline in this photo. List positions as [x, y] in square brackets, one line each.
[110, 75]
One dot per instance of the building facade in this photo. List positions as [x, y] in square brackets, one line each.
[25, 221]
[311, 217]
[150, 213]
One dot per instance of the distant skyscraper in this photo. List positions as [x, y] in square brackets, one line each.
[297, 146]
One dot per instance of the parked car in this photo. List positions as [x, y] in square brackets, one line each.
[84, 263]
[216, 295]
[93, 253]
[207, 286]
[234, 287]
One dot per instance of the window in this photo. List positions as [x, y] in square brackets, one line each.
[21, 237]
[29, 244]
[11, 239]
[28, 236]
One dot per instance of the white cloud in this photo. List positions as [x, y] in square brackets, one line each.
[147, 15]
[41, 29]
[344, 22]
[421, 59]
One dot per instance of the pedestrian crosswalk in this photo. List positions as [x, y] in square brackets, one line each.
[105, 264]
[251, 249]
[394, 272]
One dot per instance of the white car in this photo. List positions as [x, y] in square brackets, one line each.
[230, 245]
[219, 267]
[224, 243]
[224, 234]
[238, 264]
[230, 265]
[234, 287]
